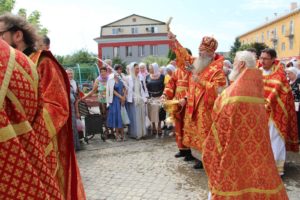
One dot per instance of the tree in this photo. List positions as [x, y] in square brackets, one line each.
[33, 18]
[6, 6]
[117, 60]
[161, 61]
[256, 45]
[234, 48]
[79, 57]
[171, 55]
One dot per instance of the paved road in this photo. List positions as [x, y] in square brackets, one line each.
[147, 169]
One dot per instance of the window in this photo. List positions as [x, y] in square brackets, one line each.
[291, 43]
[128, 51]
[291, 27]
[262, 37]
[283, 30]
[275, 33]
[153, 50]
[283, 46]
[134, 30]
[141, 51]
[115, 31]
[268, 35]
[116, 52]
[256, 39]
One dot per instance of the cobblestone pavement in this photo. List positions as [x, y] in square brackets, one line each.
[147, 169]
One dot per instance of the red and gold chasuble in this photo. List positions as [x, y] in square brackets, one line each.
[23, 164]
[54, 126]
[201, 98]
[237, 153]
[280, 106]
[177, 88]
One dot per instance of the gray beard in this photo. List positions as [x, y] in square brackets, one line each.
[201, 63]
[234, 74]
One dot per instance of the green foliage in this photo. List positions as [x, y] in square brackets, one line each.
[234, 49]
[118, 60]
[6, 5]
[81, 56]
[22, 12]
[33, 18]
[171, 55]
[161, 61]
[256, 45]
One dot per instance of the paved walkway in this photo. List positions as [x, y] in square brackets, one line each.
[147, 169]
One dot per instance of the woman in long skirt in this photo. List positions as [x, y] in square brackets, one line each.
[136, 99]
[115, 97]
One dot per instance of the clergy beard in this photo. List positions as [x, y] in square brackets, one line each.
[201, 62]
[234, 74]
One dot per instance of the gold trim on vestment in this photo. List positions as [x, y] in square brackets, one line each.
[49, 124]
[181, 89]
[215, 133]
[273, 81]
[242, 99]
[248, 190]
[7, 76]
[281, 104]
[10, 95]
[14, 130]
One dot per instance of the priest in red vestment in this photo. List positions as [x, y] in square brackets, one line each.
[52, 119]
[237, 153]
[280, 108]
[177, 88]
[206, 79]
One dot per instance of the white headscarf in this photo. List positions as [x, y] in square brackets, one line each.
[156, 72]
[171, 67]
[131, 70]
[293, 70]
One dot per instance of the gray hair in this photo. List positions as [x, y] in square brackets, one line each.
[247, 57]
[69, 70]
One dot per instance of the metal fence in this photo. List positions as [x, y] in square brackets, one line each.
[84, 74]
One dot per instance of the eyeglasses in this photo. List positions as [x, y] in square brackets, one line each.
[262, 58]
[13, 28]
[2, 33]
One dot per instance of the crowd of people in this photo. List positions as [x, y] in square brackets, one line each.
[236, 120]
[132, 99]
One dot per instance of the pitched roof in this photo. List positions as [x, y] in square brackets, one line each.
[107, 25]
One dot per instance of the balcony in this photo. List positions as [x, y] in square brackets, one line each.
[289, 34]
[274, 39]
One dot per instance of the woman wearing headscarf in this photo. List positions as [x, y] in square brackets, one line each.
[115, 97]
[293, 76]
[155, 86]
[136, 98]
[143, 70]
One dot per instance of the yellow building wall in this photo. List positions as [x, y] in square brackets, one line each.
[266, 33]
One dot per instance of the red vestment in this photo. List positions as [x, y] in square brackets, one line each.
[237, 153]
[24, 164]
[280, 106]
[53, 124]
[177, 89]
[201, 97]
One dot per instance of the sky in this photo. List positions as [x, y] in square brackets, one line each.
[74, 24]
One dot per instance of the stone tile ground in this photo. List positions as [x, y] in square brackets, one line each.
[147, 169]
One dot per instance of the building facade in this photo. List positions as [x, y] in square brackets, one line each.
[281, 33]
[133, 38]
